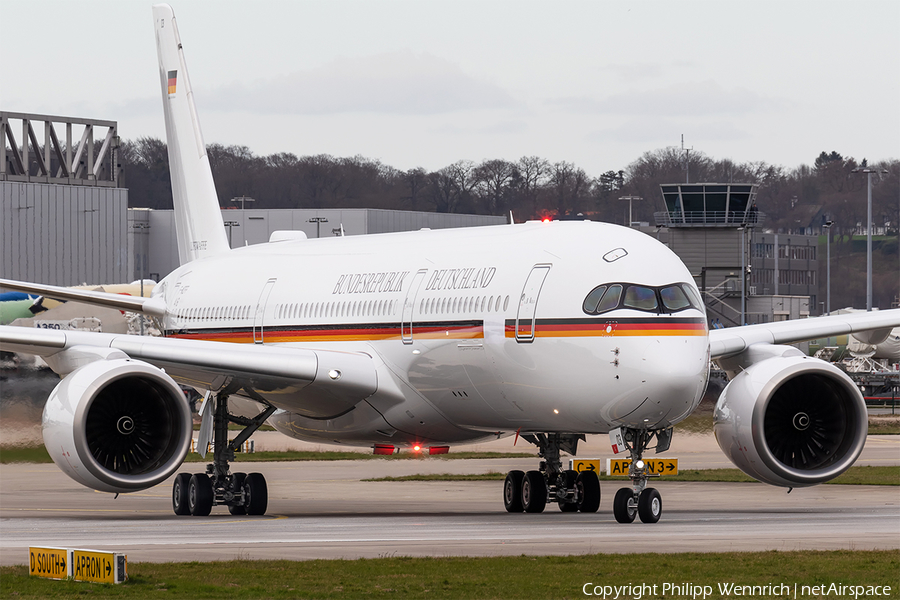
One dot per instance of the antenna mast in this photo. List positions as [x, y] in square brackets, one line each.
[687, 173]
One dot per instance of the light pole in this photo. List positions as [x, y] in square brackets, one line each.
[828, 267]
[230, 225]
[743, 229]
[630, 199]
[142, 227]
[318, 221]
[869, 173]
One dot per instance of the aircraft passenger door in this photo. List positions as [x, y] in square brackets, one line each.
[261, 311]
[528, 303]
[408, 305]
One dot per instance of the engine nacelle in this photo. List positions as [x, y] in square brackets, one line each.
[791, 421]
[117, 425]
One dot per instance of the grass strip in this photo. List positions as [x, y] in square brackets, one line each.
[888, 475]
[483, 578]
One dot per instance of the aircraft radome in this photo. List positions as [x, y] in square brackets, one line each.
[431, 338]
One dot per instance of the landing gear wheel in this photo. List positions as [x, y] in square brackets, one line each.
[256, 494]
[650, 506]
[588, 486]
[568, 479]
[180, 494]
[237, 485]
[624, 507]
[534, 492]
[200, 495]
[512, 491]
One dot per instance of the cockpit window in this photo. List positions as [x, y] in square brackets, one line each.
[590, 303]
[674, 298]
[696, 301]
[610, 298]
[670, 298]
[640, 297]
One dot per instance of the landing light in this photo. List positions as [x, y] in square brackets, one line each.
[639, 464]
[555, 412]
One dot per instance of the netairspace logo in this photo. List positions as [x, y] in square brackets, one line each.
[637, 591]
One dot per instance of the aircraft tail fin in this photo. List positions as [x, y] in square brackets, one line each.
[198, 220]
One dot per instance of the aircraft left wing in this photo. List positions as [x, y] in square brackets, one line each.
[318, 382]
[734, 340]
[155, 307]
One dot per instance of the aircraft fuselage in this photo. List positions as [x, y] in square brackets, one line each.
[479, 331]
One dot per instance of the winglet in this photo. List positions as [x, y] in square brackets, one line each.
[198, 220]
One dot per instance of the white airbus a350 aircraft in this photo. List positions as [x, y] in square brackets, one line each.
[427, 339]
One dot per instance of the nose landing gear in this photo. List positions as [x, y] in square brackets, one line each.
[639, 500]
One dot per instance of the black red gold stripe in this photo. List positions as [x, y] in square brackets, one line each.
[456, 330]
[173, 78]
[650, 327]
[340, 333]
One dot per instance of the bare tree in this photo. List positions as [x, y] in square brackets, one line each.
[532, 176]
[569, 185]
[493, 180]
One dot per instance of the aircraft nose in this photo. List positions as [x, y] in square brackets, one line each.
[669, 384]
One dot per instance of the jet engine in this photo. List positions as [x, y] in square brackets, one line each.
[791, 420]
[117, 425]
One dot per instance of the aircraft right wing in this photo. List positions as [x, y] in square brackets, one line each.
[734, 340]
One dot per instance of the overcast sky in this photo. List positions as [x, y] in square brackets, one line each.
[427, 83]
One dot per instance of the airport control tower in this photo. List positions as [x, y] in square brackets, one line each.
[719, 233]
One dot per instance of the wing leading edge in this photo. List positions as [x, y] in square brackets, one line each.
[734, 340]
[154, 307]
[318, 383]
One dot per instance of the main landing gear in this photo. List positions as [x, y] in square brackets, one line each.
[531, 491]
[639, 500]
[242, 493]
[572, 491]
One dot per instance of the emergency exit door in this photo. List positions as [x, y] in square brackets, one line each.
[259, 316]
[525, 317]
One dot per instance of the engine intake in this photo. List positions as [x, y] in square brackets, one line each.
[117, 425]
[791, 421]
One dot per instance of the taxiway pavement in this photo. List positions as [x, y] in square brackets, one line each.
[325, 510]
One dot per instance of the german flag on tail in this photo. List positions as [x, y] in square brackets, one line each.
[173, 76]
